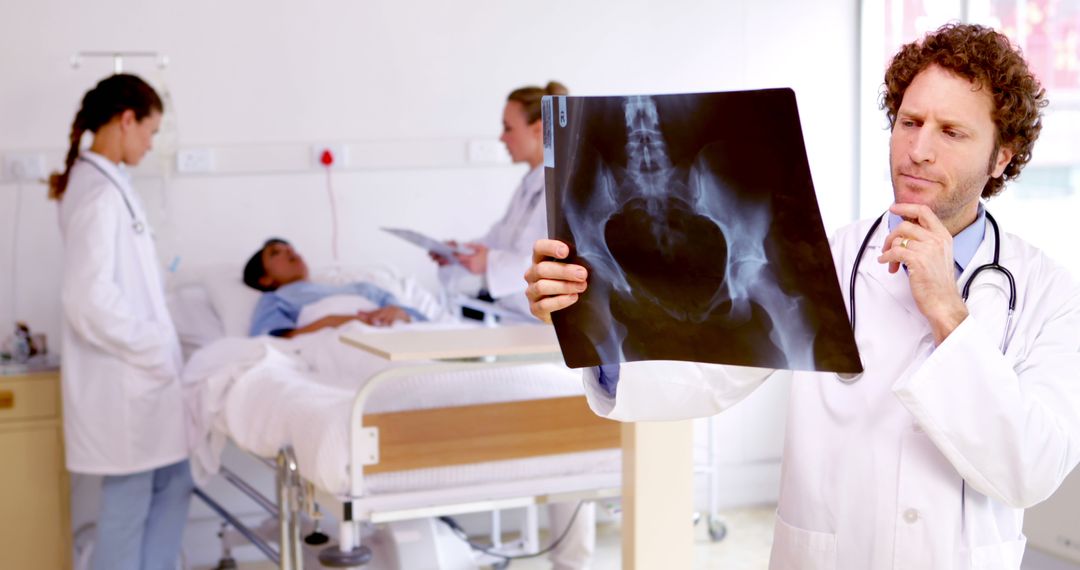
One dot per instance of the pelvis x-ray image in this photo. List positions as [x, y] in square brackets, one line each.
[697, 220]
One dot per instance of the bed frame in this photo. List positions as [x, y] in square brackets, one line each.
[438, 437]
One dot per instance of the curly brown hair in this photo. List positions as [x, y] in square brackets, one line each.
[986, 58]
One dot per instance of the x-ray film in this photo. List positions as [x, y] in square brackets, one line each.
[697, 220]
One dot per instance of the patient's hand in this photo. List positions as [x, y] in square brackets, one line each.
[553, 285]
[383, 317]
[329, 321]
[475, 262]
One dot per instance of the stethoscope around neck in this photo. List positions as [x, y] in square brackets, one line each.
[994, 265]
[136, 224]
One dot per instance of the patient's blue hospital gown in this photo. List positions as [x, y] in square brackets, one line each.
[277, 311]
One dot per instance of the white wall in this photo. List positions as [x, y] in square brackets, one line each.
[406, 85]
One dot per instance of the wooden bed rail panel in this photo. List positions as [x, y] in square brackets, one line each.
[417, 439]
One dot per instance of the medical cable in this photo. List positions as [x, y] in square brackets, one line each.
[15, 254]
[460, 532]
[327, 160]
[166, 145]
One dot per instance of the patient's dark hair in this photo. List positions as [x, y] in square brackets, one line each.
[254, 270]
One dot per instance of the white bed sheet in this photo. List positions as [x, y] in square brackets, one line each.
[264, 393]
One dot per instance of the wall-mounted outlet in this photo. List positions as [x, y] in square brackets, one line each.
[483, 151]
[194, 161]
[339, 155]
[24, 167]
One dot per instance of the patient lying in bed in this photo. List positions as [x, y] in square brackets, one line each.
[266, 393]
[281, 274]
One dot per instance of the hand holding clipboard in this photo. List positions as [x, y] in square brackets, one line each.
[447, 251]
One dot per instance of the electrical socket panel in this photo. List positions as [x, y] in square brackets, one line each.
[24, 167]
[339, 151]
[195, 161]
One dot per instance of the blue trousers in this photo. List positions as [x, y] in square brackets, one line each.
[142, 517]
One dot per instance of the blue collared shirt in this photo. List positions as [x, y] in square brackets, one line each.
[277, 311]
[965, 244]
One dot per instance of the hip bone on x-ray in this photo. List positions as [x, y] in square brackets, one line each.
[697, 220]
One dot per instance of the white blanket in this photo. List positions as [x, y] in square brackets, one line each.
[265, 393]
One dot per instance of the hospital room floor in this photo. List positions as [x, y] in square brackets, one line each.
[746, 546]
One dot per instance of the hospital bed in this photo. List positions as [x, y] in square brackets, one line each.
[407, 443]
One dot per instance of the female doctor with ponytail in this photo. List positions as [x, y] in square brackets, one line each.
[123, 412]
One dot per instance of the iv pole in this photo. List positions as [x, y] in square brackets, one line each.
[118, 58]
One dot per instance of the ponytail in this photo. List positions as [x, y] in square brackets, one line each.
[109, 98]
[530, 97]
[58, 181]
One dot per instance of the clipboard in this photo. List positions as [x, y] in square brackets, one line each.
[429, 243]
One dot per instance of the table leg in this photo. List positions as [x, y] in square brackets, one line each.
[658, 495]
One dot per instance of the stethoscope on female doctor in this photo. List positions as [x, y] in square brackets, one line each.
[136, 224]
[994, 265]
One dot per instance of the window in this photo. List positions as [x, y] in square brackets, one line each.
[1045, 200]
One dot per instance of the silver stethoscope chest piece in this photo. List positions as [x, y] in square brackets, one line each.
[136, 223]
[849, 377]
[994, 265]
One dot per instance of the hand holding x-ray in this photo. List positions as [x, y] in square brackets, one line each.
[553, 285]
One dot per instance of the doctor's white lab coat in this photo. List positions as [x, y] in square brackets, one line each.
[928, 460]
[510, 242]
[123, 411]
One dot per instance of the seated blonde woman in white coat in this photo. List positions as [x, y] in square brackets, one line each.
[501, 256]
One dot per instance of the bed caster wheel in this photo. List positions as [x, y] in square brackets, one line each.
[226, 564]
[334, 557]
[501, 565]
[717, 529]
[316, 538]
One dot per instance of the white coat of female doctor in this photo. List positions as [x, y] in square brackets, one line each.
[123, 407]
[503, 254]
[928, 460]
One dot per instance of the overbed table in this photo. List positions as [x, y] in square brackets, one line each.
[657, 457]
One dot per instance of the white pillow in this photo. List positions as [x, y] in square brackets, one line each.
[233, 301]
[197, 325]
